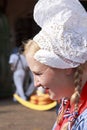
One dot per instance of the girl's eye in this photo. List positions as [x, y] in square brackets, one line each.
[37, 73]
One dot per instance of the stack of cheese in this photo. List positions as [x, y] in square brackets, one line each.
[42, 99]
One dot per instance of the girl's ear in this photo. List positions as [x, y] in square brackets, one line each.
[69, 71]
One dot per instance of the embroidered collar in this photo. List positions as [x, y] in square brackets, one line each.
[69, 114]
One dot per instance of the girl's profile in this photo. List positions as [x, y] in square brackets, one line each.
[57, 56]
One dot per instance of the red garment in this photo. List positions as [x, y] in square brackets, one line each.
[83, 106]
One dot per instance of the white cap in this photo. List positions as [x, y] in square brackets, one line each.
[63, 37]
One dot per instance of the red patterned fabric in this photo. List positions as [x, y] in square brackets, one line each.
[82, 105]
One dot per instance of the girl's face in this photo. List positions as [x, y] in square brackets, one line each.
[56, 80]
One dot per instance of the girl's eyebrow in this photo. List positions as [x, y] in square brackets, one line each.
[39, 71]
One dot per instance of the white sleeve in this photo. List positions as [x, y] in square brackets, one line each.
[12, 58]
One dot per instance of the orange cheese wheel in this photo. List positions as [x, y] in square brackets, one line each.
[34, 97]
[40, 100]
[34, 101]
[44, 102]
[44, 97]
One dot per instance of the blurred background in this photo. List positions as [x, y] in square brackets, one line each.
[16, 25]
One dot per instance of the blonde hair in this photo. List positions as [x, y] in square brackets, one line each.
[75, 98]
[31, 47]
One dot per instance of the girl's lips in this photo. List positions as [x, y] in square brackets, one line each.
[46, 90]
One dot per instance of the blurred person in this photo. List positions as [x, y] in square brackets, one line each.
[18, 66]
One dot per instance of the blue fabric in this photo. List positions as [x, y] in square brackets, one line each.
[81, 122]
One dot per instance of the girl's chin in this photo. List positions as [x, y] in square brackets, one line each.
[52, 95]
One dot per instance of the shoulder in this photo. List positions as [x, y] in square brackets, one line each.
[81, 122]
[14, 55]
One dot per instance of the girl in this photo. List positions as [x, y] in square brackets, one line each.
[57, 56]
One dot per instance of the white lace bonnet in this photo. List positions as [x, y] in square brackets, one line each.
[63, 35]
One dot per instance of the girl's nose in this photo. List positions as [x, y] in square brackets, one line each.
[37, 82]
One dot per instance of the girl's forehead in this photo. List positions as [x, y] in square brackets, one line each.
[36, 65]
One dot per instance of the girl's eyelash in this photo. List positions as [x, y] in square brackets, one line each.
[37, 73]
